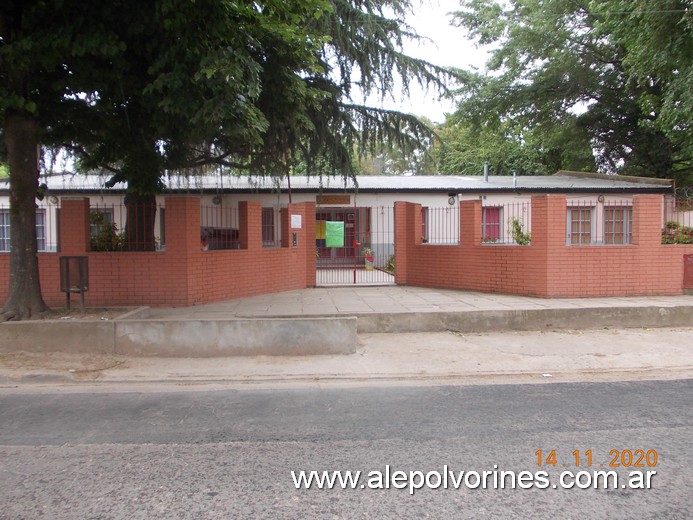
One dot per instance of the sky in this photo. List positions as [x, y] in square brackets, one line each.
[449, 47]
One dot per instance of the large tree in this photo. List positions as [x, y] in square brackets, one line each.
[33, 81]
[140, 88]
[467, 144]
[657, 39]
[556, 66]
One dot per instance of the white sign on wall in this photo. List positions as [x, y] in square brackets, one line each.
[296, 222]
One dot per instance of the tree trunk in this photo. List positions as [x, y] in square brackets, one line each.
[142, 171]
[139, 227]
[24, 300]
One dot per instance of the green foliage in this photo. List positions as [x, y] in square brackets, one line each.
[4, 171]
[464, 148]
[107, 237]
[658, 44]
[520, 237]
[390, 264]
[392, 161]
[562, 77]
[140, 88]
[675, 233]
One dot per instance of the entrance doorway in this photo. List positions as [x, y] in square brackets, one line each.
[367, 255]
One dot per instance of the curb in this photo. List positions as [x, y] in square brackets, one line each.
[307, 335]
[581, 318]
[635, 373]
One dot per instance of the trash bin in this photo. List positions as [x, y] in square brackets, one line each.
[74, 277]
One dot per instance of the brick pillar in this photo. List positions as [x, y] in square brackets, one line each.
[182, 224]
[549, 220]
[307, 240]
[647, 220]
[285, 223]
[183, 247]
[74, 226]
[250, 225]
[470, 222]
[548, 242]
[407, 236]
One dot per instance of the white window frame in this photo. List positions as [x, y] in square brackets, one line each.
[626, 221]
[41, 231]
[4, 230]
[41, 236]
[569, 225]
[162, 229]
[425, 220]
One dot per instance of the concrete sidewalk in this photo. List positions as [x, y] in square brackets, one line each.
[398, 309]
[432, 335]
[361, 301]
[415, 358]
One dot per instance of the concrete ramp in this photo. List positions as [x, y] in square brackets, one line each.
[185, 337]
[239, 337]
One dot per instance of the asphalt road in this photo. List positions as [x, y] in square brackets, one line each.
[229, 453]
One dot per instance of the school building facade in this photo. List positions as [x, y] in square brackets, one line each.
[216, 238]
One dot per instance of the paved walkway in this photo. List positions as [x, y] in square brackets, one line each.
[329, 301]
[443, 356]
[412, 358]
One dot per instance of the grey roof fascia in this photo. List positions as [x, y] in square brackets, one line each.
[564, 182]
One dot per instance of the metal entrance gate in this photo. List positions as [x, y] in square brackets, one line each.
[368, 253]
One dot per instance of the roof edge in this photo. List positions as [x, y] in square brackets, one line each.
[626, 178]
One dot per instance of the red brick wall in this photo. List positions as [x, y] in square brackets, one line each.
[257, 269]
[186, 275]
[548, 267]
[183, 274]
[688, 272]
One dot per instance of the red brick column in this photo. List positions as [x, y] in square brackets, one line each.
[548, 243]
[470, 222]
[250, 225]
[407, 236]
[182, 225]
[307, 240]
[285, 217]
[647, 220]
[183, 248]
[549, 221]
[74, 226]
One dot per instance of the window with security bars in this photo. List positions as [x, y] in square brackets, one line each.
[618, 224]
[424, 224]
[100, 219]
[5, 230]
[580, 225]
[269, 228]
[41, 229]
[491, 219]
[162, 228]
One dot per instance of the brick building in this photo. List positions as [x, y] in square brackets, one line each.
[217, 237]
